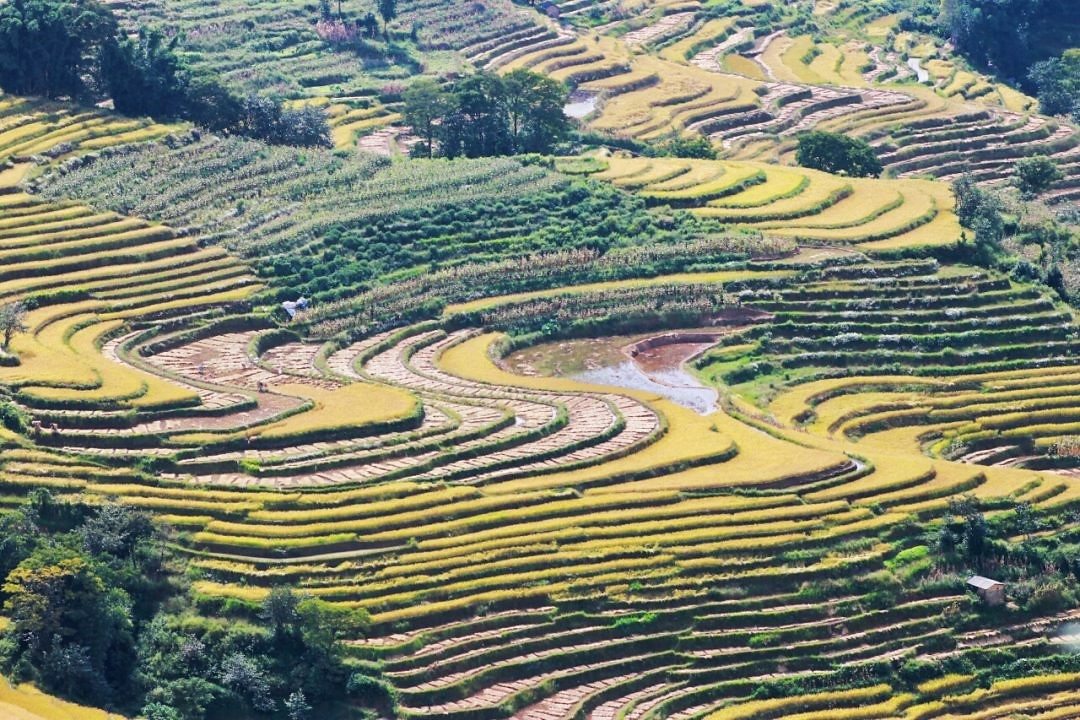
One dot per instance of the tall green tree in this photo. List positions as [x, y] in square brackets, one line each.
[269, 120]
[977, 209]
[426, 104]
[1057, 84]
[388, 11]
[1006, 37]
[18, 537]
[116, 530]
[48, 46]
[211, 105]
[478, 123]
[687, 147]
[145, 76]
[534, 109]
[486, 114]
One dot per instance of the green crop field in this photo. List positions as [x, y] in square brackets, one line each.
[330, 405]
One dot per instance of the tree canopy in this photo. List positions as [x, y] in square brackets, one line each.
[487, 114]
[12, 321]
[1057, 84]
[144, 75]
[1007, 36]
[1034, 175]
[979, 210]
[426, 104]
[837, 153]
[60, 48]
[48, 47]
[95, 616]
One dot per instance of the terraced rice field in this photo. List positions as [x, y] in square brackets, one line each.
[802, 204]
[666, 558]
[1012, 419]
[751, 94]
[657, 68]
[947, 358]
[365, 124]
[292, 198]
[537, 547]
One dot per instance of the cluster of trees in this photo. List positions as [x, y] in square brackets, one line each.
[98, 616]
[59, 48]
[1019, 40]
[994, 215]
[487, 114]
[837, 153]
[1007, 36]
[1057, 84]
[686, 147]
[1042, 570]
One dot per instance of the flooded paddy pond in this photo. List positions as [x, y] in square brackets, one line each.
[580, 104]
[653, 363]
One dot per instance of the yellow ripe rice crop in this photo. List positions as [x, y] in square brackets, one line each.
[505, 529]
[779, 184]
[742, 65]
[695, 175]
[777, 52]
[680, 92]
[388, 502]
[710, 31]
[731, 181]
[916, 206]
[45, 357]
[151, 132]
[943, 684]
[826, 65]
[658, 171]
[198, 301]
[868, 201]
[381, 526]
[344, 135]
[948, 479]
[804, 204]
[882, 480]
[592, 513]
[348, 406]
[785, 707]
[26, 702]
[690, 438]
[118, 382]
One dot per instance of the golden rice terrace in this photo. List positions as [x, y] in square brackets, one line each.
[607, 434]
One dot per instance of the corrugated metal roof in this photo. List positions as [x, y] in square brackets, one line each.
[983, 583]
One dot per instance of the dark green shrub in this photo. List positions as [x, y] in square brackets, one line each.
[13, 418]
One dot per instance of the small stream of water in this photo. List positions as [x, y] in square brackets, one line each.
[920, 72]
